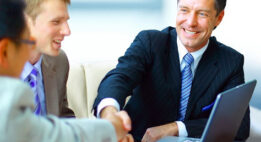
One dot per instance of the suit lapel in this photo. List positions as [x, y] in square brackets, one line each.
[205, 73]
[50, 86]
[175, 71]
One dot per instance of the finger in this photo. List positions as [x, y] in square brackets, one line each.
[130, 138]
[125, 119]
[124, 139]
[144, 138]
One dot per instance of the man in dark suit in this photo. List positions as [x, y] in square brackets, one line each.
[47, 21]
[174, 76]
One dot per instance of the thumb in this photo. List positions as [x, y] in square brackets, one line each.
[125, 119]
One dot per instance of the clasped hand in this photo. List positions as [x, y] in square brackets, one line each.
[121, 122]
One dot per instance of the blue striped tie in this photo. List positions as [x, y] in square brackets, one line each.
[186, 83]
[32, 79]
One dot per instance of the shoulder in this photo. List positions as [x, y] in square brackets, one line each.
[158, 34]
[15, 92]
[9, 84]
[156, 40]
[62, 57]
[59, 62]
[224, 51]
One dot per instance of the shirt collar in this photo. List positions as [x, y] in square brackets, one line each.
[196, 55]
[28, 67]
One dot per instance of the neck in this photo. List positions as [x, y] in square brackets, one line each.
[35, 56]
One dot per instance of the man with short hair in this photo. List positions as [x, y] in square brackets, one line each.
[18, 122]
[174, 76]
[47, 20]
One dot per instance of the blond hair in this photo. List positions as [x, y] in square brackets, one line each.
[33, 7]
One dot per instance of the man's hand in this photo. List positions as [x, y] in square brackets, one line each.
[120, 120]
[155, 133]
[127, 138]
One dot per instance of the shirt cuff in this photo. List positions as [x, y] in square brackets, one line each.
[182, 129]
[107, 102]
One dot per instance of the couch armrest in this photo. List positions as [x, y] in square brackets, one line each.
[76, 90]
[94, 73]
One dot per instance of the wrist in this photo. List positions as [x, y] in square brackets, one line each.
[107, 110]
[174, 129]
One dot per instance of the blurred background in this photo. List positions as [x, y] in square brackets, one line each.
[104, 29]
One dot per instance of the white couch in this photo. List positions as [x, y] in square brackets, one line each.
[82, 85]
[83, 82]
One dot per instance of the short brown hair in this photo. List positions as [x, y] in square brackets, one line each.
[33, 7]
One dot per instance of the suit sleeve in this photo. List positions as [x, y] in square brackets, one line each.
[196, 127]
[24, 126]
[130, 70]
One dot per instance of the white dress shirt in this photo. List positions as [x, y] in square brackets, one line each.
[182, 52]
[40, 86]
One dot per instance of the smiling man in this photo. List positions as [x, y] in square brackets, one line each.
[47, 21]
[174, 76]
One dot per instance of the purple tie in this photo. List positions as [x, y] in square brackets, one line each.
[32, 80]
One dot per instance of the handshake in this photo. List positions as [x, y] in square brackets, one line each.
[121, 122]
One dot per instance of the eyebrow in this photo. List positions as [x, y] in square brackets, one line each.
[181, 6]
[61, 17]
[204, 10]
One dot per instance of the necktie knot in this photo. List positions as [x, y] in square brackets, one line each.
[188, 58]
[34, 72]
[33, 77]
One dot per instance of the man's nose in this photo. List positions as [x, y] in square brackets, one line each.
[192, 20]
[65, 29]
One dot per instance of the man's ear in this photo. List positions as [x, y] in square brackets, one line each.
[4, 52]
[220, 17]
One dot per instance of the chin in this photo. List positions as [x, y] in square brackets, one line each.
[53, 52]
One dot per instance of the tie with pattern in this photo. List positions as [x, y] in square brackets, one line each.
[33, 83]
[186, 83]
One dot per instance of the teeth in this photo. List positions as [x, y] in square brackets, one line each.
[58, 41]
[189, 32]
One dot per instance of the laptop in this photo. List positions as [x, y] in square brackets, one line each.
[225, 117]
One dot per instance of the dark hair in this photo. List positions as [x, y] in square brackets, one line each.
[219, 5]
[12, 20]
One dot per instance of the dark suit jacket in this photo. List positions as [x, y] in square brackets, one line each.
[55, 74]
[150, 72]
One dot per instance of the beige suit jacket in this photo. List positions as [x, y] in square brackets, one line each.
[55, 74]
[19, 124]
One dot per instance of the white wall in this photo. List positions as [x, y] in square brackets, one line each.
[241, 30]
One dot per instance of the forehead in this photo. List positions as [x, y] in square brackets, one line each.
[54, 8]
[205, 4]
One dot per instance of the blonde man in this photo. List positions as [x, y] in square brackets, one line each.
[47, 20]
